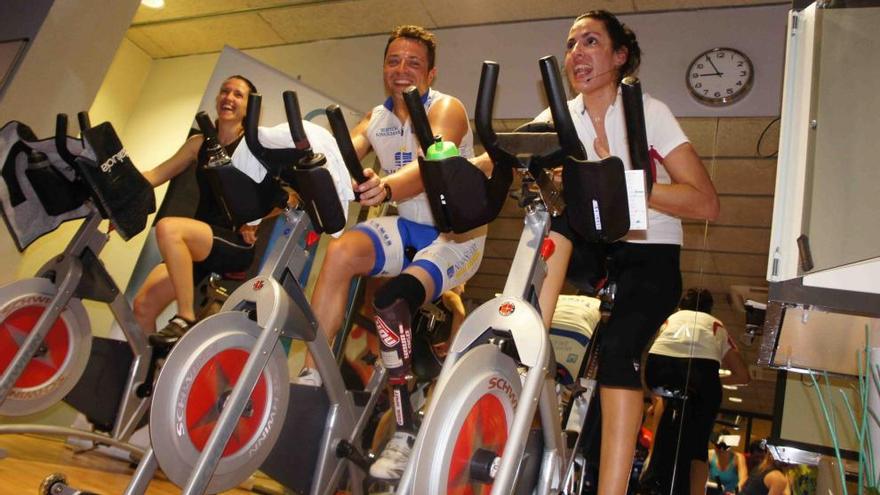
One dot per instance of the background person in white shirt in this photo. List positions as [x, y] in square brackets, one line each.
[687, 354]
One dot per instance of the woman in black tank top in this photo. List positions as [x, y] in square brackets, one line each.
[184, 241]
[766, 478]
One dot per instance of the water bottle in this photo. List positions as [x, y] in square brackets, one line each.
[217, 156]
[441, 149]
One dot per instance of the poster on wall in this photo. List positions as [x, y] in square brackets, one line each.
[271, 83]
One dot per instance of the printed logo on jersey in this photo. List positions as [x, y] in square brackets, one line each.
[388, 336]
[401, 158]
[389, 131]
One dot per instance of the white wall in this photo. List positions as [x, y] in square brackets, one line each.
[350, 69]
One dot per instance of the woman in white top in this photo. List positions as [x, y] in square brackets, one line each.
[686, 356]
[600, 52]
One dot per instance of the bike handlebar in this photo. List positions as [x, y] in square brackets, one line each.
[61, 139]
[483, 110]
[251, 122]
[294, 120]
[568, 138]
[84, 121]
[631, 95]
[343, 139]
[419, 119]
[206, 126]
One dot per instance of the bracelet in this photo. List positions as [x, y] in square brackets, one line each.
[387, 193]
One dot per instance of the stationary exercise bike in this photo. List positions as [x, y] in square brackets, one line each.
[224, 406]
[478, 435]
[48, 352]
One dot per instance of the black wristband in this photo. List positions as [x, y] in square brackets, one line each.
[387, 193]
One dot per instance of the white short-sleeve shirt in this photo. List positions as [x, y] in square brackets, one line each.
[664, 135]
[693, 334]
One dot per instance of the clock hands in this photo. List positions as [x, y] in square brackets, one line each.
[717, 72]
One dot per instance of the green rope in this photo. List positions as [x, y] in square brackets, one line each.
[831, 429]
[866, 461]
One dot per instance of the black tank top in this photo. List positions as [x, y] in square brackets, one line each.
[755, 483]
[209, 210]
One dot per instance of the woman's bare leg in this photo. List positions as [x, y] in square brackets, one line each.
[181, 242]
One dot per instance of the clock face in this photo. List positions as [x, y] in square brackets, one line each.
[720, 76]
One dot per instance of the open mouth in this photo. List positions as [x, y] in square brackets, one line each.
[582, 71]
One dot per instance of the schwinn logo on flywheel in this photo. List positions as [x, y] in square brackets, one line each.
[29, 300]
[501, 384]
[388, 336]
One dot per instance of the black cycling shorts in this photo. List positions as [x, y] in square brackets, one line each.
[648, 289]
[703, 388]
[229, 254]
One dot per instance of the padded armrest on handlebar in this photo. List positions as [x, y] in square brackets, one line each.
[245, 199]
[460, 195]
[532, 143]
[122, 193]
[278, 160]
[319, 198]
[596, 198]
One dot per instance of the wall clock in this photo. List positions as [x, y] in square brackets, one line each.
[720, 76]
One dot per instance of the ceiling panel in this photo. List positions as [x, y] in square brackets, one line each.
[188, 9]
[210, 34]
[139, 37]
[469, 12]
[211, 24]
[344, 19]
[648, 5]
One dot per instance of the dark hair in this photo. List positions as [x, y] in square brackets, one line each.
[416, 33]
[697, 299]
[621, 37]
[758, 446]
[250, 85]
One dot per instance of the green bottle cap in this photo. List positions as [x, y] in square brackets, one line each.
[441, 149]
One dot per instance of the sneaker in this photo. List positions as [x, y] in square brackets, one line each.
[309, 377]
[392, 462]
[172, 332]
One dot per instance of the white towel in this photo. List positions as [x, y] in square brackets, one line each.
[320, 139]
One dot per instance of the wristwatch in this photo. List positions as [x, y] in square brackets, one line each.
[387, 193]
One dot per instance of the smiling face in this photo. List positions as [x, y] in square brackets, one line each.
[591, 61]
[406, 64]
[232, 100]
